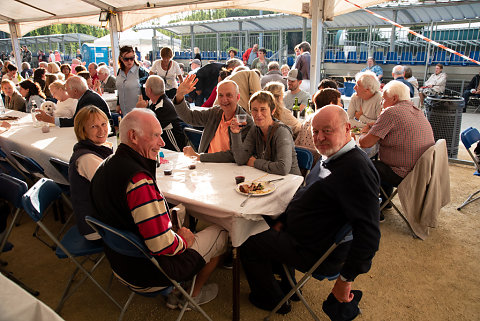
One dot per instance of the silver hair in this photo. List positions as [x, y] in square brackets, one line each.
[77, 83]
[133, 121]
[273, 65]
[398, 70]
[369, 80]
[156, 85]
[234, 62]
[398, 88]
[103, 70]
[228, 81]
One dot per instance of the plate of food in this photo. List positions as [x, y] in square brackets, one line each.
[255, 188]
[356, 130]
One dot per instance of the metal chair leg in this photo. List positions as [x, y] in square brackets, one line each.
[125, 307]
[469, 200]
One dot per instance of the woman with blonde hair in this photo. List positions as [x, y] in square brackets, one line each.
[91, 129]
[168, 70]
[66, 105]
[281, 113]
[53, 68]
[13, 99]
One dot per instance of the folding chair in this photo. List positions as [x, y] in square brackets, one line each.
[344, 235]
[35, 171]
[60, 165]
[194, 136]
[128, 244]
[73, 245]
[305, 160]
[12, 190]
[11, 168]
[469, 137]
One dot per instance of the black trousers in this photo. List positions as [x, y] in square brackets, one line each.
[466, 96]
[262, 256]
[388, 178]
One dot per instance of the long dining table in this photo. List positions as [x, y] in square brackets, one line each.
[208, 191]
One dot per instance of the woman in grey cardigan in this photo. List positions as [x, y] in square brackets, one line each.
[269, 144]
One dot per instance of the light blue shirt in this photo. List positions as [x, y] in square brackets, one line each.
[376, 69]
[128, 89]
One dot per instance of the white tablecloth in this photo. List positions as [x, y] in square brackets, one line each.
[209, 191]
[111, 99]
[30, 141]
[16, 304]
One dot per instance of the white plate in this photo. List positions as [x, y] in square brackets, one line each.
[269, 188]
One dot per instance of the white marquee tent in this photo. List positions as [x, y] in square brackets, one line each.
[20, 17]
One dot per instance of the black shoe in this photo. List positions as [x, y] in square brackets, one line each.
[8, 246]
[382, 217]
[284, 309]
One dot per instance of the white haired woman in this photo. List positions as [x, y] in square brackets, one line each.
[366, 103]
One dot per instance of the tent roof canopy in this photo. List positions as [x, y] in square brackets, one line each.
[31, 14]
[406, 15]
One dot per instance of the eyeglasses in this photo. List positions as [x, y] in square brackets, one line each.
[128, 58]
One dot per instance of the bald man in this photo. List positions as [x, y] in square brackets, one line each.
[215, 144]
[317, 211]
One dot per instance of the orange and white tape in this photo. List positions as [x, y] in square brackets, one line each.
[414, 33]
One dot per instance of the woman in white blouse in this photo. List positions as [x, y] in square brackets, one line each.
[169, 70]
[66, 106]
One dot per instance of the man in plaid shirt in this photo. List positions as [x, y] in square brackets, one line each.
[402, 132]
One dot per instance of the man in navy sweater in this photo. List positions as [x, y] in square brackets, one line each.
[342, 188]
[77, 88]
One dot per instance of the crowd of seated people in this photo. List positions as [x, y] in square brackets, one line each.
[266, 139]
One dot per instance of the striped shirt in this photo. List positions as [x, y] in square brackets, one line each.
[150, 214]
[405, 134]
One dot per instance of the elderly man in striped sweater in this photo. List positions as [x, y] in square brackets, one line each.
[126, 196]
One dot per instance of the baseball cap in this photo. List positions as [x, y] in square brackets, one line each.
[294, 74]
[196, 61]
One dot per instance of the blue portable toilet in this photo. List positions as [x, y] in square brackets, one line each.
[96, 54]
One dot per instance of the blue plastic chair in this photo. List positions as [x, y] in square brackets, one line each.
[420, 58]
[344, 235]
[440, 57]
[305, 160]
[475, 55]
[406, 58]
[469, 137]
[378, 56]
[456, 60]
[352, 57]
[129, 244]
[194, 136]
[30, 167]
[340, 57]
[363, 57]
[392, 58]
[329, 56]
[73, 245]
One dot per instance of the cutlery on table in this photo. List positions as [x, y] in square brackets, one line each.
[245, 201]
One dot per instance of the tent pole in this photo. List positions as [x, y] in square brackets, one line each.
[114, 41]
[14, 31]
[317, 43]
